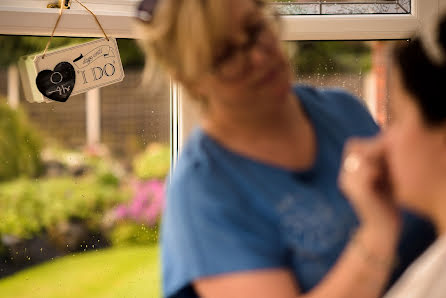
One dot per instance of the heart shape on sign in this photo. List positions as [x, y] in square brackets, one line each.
[57, 84]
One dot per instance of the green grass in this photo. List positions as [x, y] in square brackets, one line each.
[116, 272]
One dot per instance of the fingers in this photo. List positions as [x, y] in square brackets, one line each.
[358, 176]
[364, 181]
[372, 149]
[362, 167]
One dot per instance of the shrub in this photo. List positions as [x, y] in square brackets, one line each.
[19, 146]
[146, 205]
[140, 215]
[61, 162]
[131, 233]
[29, 207]
[153, 163]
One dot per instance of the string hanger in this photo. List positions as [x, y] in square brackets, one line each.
[58, 20]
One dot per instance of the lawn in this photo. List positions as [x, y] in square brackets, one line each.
[116, 272]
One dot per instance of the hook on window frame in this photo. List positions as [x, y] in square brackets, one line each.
[57, 3]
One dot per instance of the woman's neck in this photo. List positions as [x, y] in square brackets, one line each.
[247, 120]
[277, 133]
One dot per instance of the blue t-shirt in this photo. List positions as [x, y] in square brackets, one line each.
[227, 213]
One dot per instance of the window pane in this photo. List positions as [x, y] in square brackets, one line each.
[339, 7]
[361, 67]
[81, 182]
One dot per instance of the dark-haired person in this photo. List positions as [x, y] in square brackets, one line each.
[408, 160]
[253, 207]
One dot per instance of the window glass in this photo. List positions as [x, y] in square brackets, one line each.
[341, 7]
[360, 67]
[81, 212]
[81, 182]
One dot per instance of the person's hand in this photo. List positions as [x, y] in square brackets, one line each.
[365, 181]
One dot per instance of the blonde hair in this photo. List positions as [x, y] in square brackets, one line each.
[185, 35]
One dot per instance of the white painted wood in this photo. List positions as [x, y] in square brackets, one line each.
[424, 10]
[370, 94]
[31, 17]
[96, 64]
[349, 27]
[442, 5]
[360, 27]
[175, 133]
[93, 110]
[13, 86]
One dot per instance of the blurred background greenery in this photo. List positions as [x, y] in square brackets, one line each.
[306, 57]
[57, 202]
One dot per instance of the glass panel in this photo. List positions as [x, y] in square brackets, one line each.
[344, 1]
[77, 215]
[360, 67]
[331, 7]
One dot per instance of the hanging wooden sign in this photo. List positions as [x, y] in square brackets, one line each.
[58, 74]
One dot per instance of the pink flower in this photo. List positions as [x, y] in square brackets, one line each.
[121, 211]
[147, 203]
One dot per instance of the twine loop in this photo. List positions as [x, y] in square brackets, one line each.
[58, 20]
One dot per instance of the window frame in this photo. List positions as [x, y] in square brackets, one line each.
[360, 27]
[323, 7]
[31, 17]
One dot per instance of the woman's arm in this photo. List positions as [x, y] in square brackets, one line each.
[259, 284]
[364, 267]
[362, 271]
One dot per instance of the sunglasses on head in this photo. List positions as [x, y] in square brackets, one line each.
[146, 9]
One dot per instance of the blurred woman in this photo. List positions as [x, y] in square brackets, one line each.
[253, 206]
[408, 161]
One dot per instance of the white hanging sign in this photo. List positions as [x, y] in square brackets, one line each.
[71, 70]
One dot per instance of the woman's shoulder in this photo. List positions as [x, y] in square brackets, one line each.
[337, 105]
[194, 162]
[199, 172]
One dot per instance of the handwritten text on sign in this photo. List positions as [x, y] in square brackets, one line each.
[96, 64]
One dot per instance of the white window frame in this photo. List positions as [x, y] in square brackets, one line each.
[360, 27]
[31, 17]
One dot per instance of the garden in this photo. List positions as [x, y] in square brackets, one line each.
[77, 223]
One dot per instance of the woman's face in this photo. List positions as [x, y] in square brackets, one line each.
[251, 65]
[416, 153]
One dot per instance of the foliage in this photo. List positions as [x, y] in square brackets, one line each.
[327, 57]
[131, 54]
[146, 205]
[130, 233]
[13, 47]
[28, 207]
[75, 163]
[312, 57]
[19, 145]
[112, 273]
[153, 163]
[137, 221]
